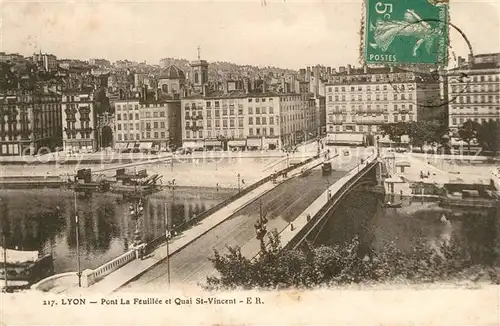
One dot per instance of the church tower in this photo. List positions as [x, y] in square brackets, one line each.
[199, 74]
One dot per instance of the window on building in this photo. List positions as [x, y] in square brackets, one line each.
[137, 126]
[155, 124]
[257, 131]
[395, 96]
[250, 110]
[257, 120]
[125, 137]
[250, 131]
[217, 123]
[257, 110]
[119, 126]
[264, 120]
[250, 121]
[162, 124]
[217, 113]
[200, 134]
[118, 116]
[188, 134]
[224, 112]
[155, 134]
[395, 118]
[162, 114]
[231, 122]
[224, 123]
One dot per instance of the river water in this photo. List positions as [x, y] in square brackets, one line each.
[44, 220]
[361, 214]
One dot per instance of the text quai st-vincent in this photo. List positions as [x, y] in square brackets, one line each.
[153, 301]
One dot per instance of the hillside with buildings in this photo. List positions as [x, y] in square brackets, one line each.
[88, 105]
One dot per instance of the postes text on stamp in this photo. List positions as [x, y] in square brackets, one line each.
[406, 32]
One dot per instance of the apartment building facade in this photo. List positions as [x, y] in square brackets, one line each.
[79, 121]
[238, 120]
[474, 92]
[359, 101]
[30, 121]
[147, 124]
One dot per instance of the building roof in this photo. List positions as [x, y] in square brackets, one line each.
[172, 72]
[477, 66]
[238, 94]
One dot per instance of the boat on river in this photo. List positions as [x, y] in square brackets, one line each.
[130, 182]
[24, 268]
[392, 205]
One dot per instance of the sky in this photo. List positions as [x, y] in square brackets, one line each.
[291, 35]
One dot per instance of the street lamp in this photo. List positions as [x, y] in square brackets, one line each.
[77, 232]
[4, 244]
[261, 229]
[136, 211]
[239, 188]
[172, 185]
[168, 236]
[378, 146]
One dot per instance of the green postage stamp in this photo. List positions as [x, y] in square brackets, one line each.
[406, 32]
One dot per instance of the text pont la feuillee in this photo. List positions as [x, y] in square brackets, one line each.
[161, 301]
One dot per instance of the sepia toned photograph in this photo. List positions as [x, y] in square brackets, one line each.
[326, 162]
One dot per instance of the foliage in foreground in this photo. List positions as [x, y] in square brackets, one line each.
[336, 265]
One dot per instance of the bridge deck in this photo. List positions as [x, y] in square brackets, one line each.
[282, 205]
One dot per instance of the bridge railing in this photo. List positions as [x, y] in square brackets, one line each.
[325, 207]
[155, 243]
[338, 189]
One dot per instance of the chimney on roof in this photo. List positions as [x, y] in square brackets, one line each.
[245, 85]
[308, 74]
[349, 69]
[316, 80]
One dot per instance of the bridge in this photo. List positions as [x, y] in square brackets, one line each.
[296, 207]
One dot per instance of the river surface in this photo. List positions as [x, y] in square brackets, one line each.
[361, 214]
[44, 220]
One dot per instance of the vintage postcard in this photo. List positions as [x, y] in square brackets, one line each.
[258, 162]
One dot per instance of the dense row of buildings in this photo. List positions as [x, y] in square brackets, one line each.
[184, 108]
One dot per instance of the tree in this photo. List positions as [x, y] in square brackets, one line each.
[395, 131]
[418, 134]
[488, 136]
[340, 264]
[468, 132]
